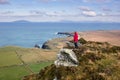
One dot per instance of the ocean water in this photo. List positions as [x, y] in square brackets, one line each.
[28, 34]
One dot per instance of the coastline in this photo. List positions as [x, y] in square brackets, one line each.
[110, 36]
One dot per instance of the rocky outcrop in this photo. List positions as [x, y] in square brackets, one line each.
[56, 43]
[65, 33]
[66, 57]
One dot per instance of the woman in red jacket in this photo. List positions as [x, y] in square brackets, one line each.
[75, 39]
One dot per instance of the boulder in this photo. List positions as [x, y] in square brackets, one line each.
[66, 57]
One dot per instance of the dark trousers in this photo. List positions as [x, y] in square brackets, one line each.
[76, 44]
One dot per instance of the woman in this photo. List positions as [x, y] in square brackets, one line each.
[75, 39]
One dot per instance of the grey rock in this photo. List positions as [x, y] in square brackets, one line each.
[66, 57]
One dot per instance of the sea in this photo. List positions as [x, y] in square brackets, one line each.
[27, 34]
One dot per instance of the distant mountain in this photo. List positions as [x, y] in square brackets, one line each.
[21, 21]
[63, 21]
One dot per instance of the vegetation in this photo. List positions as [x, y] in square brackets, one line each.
[13, 73]
[97, 61]
[38, 66]
[82, 41]
[8, 57]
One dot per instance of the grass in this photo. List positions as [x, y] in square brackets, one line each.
[8, 57]
[11, 67]
[38, 66]
[13, 55]
[12, 73]
[17, 72]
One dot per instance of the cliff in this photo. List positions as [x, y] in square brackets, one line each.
[91, 61]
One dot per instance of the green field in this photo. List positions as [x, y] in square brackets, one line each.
[17, 72]
[38, 66]
[8, 57]
[12, 73]
[14, 66]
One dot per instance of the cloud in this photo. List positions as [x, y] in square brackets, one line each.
[4, 2]
[86, 11]
[6, 13]
[47, 0]
[44, 0]
[47, 13]
[98, 1]
[89, 13]
[53, 17]
[84, 8]
[86, 0]
[102, 14]
[37, 12]
[106, 9]
[103, 0]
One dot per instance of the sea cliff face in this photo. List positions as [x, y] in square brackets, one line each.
[94, 61]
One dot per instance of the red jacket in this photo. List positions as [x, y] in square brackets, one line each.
[75, 37]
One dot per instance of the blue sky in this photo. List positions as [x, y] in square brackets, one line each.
[60, 10]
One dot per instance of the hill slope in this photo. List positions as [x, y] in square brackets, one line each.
[97, 61]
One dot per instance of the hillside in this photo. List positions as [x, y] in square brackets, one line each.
[96, 61]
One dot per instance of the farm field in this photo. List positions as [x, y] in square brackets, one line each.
[16, 62]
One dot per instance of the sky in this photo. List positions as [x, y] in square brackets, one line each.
[60, 10]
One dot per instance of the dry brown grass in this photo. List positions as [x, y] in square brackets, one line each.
[113, 37]
[36, 55]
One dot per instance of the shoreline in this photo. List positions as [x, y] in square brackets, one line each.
[110, 36]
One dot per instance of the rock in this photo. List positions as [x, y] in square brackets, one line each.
[70, 44]
[66, 57]
[37, 46]
[65, 33]
[56, 43]
[45, 46]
